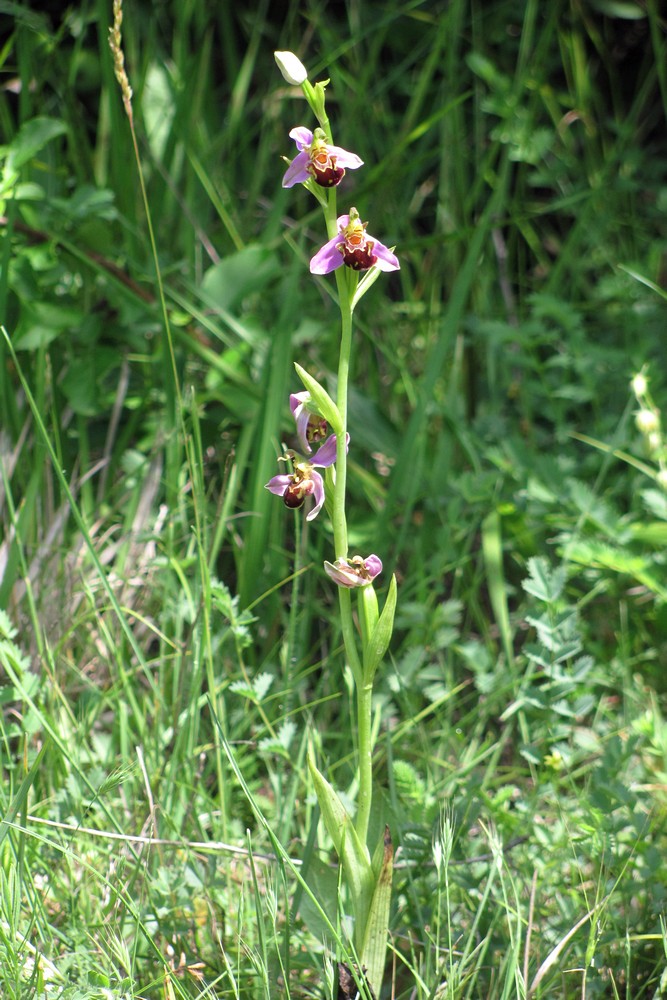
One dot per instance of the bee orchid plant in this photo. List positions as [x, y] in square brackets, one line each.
[356, 258]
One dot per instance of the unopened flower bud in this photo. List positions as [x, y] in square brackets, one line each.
[647, 421]
[639, 384]
[291, 67]
[654, 441]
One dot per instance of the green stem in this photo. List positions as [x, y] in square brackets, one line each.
[365, 750]
[291, 644]
[339, 520]
[346, 289]
[349, 635]
[346, 282]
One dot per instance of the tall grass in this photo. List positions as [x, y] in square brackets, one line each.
[168, 645]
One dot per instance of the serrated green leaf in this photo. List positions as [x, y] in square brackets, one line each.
[604, 556]
[543, 582]
[7, 629]
[255, 692]
[280, 743]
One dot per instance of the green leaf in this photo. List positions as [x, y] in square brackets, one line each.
[379, 641]
[624, 11]
[30, 139]
[322, 880]
[374, 948]
[653, 533]
[240, 274]
[353, 854]
[598, 555]
[42, 322]
[12, 810]
[7, 629]
[322, 399]
[366, 283]
[280, 743]
[257, 690]
[544, 583]
[158, 105]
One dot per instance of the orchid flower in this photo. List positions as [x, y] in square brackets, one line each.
[305, 480]
[354, 247]
[311, 428]
[318, 159]
[354, 572]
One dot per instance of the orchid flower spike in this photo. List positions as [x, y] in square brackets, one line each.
[354, 572]
[305, 480]
[354, 247]
[318, 159]
[311, 427]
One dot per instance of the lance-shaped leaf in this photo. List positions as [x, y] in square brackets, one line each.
[353, 855]
[380, 638]
[374, 948]
[322, 399]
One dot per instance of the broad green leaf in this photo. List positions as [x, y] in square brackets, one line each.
[158, 105]
[42, 322]
[84, 381]
[379, 641]
[30, 139]
[374, 948]
[322, 879]
[353, 854]
[322, 399]
[240, 274]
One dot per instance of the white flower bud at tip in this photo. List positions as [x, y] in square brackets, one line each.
[639, 384]
[654, 441]
[291, 68]
[647, 421]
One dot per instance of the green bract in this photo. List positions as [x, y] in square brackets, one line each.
[322, 400]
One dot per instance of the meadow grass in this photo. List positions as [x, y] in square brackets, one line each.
[169, 647]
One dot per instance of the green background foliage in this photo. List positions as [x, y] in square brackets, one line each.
[169, 645]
